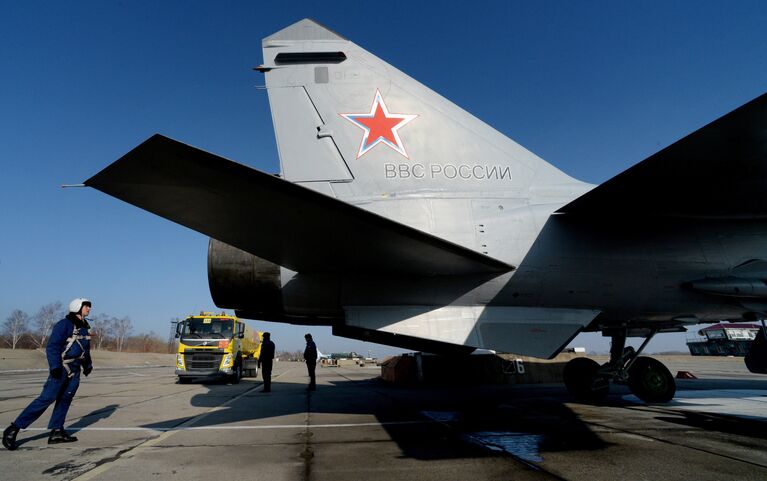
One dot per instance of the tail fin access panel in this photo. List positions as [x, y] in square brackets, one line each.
[307, 151]
[297, 127]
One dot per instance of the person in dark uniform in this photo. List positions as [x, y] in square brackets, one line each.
[68, 352]
[310, 356]
[265, 361]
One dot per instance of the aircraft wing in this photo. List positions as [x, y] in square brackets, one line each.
[719, 171]
[284, 223]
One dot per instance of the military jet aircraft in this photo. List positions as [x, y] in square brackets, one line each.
[399, 218]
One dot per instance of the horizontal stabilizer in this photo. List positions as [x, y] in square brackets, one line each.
[274, 219]
[719, 171]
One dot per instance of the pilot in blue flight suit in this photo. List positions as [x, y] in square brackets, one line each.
[68, 351]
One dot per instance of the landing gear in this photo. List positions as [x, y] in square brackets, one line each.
[583, 381]
[648, 379]
[651, 381]
[756, 358]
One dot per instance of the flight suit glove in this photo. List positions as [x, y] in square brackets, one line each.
[87, 370]
[56, 372]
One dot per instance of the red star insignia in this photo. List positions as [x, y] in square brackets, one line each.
[380, 126]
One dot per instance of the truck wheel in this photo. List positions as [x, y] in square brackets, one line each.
[184, 380]
[250, 367]
[237, 372]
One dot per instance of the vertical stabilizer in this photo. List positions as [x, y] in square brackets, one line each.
[349, 121]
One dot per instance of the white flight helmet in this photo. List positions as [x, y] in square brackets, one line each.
[77, 304]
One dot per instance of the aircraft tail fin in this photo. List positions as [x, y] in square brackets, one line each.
[355, 126]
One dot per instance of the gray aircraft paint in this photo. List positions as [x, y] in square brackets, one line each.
[465, 238]
[462, 181]
[451, 156]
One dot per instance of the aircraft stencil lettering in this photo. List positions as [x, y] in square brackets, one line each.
[447, 254]
[380, 126]
[447, 171]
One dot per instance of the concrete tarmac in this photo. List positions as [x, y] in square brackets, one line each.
[138, 423]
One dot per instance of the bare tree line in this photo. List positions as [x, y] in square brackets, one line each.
[20, 330]
[290, 356]
[36, 328]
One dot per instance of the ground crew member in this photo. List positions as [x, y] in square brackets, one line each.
[68, 351]
[265, 361]
[310, 356]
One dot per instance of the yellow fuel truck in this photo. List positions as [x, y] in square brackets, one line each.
[216, 345]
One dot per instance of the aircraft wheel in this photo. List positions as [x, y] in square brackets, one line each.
[582, 381]
[651, 381]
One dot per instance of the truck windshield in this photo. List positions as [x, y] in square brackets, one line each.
[207, 328]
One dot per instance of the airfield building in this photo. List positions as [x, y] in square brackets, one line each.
[723, 340]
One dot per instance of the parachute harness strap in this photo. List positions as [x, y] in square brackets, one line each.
[76, 337]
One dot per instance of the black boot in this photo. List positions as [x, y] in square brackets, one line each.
[60, 436]
[9, 437]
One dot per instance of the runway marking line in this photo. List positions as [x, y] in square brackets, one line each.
[222, 427]
[186, 426]
[141, 447]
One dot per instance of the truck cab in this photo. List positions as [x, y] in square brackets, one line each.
[216, 345]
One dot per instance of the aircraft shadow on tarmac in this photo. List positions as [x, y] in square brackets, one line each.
[713, 422]
[426, 423]
[443, 422]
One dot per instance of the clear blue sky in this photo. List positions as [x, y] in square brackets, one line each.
[592, 87]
